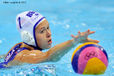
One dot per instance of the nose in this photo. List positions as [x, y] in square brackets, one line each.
[48, 34]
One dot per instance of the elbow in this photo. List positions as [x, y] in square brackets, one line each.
[55, 60]
[52, 57]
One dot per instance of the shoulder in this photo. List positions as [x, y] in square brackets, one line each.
[14, 46]
[28, 52]
[31, 56]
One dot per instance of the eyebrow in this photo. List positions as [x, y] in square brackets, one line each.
[42, 28]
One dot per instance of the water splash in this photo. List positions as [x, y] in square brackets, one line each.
[39, 70]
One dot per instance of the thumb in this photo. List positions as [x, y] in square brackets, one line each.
[91, 40]
[72, 36]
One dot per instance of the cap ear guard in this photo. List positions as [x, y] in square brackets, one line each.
[27, 37]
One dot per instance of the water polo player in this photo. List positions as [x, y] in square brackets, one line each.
[36, 36]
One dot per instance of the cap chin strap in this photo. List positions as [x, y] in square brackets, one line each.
[36, 48]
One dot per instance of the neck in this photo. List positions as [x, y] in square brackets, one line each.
[30, 47]
[27, 46]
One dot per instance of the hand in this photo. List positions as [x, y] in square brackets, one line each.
[83, 37]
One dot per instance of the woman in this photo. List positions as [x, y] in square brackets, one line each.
[36, 36]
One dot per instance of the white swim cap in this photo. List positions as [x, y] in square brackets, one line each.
[26, 23]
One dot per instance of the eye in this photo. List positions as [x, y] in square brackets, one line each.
[42, 31]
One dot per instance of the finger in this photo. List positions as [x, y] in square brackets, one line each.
[91, 40]
[74, 36]
[79, 33]
[91, 32]
[88, 30]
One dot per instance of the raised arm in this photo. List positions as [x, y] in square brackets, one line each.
[56, 52]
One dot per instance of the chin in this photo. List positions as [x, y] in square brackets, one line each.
[49, 46]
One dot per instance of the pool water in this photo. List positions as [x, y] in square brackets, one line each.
[66, 17]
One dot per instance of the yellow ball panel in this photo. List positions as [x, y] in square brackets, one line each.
[94, 66]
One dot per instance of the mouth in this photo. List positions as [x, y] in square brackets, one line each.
[49, 41]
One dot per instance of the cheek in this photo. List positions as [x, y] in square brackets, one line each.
[40, 39]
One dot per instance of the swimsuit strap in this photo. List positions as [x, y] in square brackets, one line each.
[11, 55]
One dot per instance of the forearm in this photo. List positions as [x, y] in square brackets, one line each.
[56, 52]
